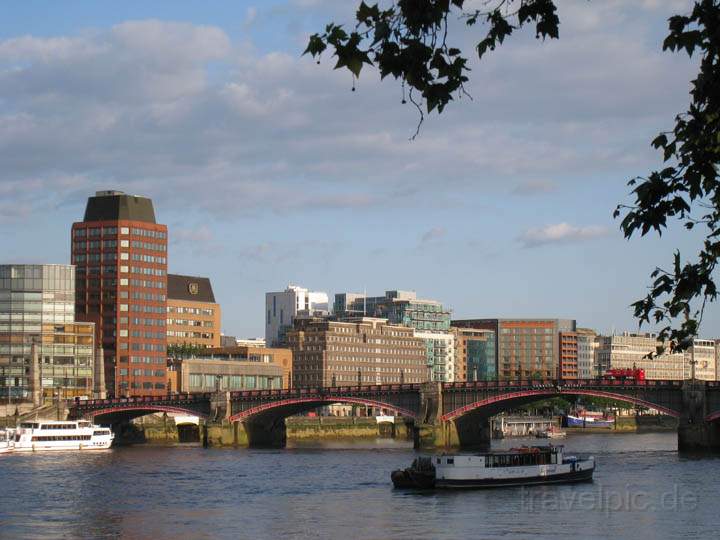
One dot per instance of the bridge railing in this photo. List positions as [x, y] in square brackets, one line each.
[552, 383]
[178, 397]
[323, 390]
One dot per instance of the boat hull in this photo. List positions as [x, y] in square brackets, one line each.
[573, 421]
[562, 478]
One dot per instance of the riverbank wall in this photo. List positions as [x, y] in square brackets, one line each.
[161, 429]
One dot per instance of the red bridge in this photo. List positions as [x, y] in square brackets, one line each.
[458, 412]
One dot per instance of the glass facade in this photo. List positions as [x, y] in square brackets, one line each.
[37, 308]
[481, 358]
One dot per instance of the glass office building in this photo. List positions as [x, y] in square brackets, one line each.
[37, 307]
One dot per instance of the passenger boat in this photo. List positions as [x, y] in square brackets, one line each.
[60, 435]
[524, 466]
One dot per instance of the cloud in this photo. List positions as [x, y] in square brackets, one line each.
[534, 187]
[560, 233]
[434, 234]
[180, 113]
[192, 235]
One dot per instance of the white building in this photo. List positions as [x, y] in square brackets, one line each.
[282, 307]
[631, 351]
[704, 354]
[440, 353]
[586, 353]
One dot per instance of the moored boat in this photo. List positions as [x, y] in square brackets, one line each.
[588, 421]
[41, 435]
[552, 432]
[523, 466]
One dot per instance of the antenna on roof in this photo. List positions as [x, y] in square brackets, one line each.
[364, 301]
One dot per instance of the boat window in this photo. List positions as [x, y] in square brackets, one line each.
[438, 461]
[450, 461]
[101, 432]
[59, 426]
[29, 425]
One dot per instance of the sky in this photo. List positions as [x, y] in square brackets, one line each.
[269, 170]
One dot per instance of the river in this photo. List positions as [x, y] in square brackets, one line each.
[341, 490]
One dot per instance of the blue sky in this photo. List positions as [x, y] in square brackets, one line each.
[269, 170]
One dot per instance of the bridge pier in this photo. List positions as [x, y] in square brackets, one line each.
[695, 434]
[470, 431]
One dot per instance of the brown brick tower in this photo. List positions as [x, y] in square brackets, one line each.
[121, 285]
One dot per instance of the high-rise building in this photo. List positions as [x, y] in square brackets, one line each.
[474, 354]
[37, 318]
[120, 252]
[193, 316]
[398, 307]
[439, 355]
[586, 344]
[281, 308]
[428, 317]
[525, 348]
[361, 351]
[568, 359]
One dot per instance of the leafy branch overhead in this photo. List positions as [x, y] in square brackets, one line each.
[409, 40]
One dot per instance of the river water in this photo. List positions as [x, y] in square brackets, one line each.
[341, 490]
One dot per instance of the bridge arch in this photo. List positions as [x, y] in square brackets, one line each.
[111, 415]
[505, 401]
[294, 405]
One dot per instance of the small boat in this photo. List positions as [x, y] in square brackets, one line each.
[552, 432]
[41, 435]
[585, 420]
[525, 466]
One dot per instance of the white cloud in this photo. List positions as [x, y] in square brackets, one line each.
[534, 187]
[560, 233]
[178, 112]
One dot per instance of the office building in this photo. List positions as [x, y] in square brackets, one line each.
[632, 351]
[281, 308]
[568, 355]
[439, 355]
[120, 252]
[193, 316]
[474, 354]
[280, 357]
[43, 351]
[365, 350]
[208, 374]
[526, 348]
[703, 354]
[398, 307]
[586, 344]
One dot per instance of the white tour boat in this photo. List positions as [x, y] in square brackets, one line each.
[516, 467]
[41, 435]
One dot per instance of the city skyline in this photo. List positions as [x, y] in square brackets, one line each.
[515, 223]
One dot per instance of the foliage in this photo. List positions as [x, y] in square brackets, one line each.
[409, 40]
[184, 350]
